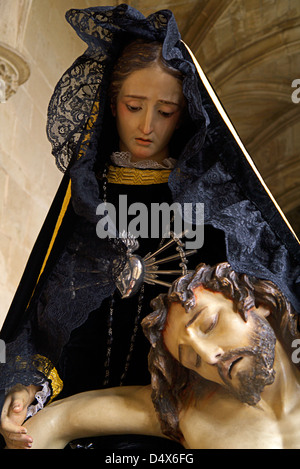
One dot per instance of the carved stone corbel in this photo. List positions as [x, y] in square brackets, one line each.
[14, 71]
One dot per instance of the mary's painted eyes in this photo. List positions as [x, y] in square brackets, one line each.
[135, 108]
[166, 114]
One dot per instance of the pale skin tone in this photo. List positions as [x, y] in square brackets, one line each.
[147, 112]
[205, 333]
[217, 420]
[13, 414]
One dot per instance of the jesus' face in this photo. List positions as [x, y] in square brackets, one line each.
[213, 340]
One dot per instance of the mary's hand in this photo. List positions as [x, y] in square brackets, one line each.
[13, 415]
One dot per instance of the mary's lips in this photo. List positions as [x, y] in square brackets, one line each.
[143, 140]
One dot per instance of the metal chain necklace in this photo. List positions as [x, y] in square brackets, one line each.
[109, 343]
[136, 272]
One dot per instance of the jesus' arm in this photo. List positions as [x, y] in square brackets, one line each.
[94, 413]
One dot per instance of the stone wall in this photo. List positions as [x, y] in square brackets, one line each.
[36, 30]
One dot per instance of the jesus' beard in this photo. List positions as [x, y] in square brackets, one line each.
[261, 373]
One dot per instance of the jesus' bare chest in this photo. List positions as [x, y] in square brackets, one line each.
[229, 424]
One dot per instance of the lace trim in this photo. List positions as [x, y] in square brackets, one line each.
[123, 158]
[48, 390]
[41, 397]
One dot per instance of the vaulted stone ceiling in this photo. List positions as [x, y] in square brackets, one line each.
[250, 51]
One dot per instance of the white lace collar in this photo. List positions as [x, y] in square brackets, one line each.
[123, 158]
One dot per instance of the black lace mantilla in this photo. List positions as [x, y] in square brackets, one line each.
[105, 30]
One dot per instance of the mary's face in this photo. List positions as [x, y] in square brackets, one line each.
[148, 111]
[213, 340]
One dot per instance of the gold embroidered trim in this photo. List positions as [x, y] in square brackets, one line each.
[137, 177]
[56, 383]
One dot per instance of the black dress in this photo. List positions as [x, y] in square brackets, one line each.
[81, 366]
